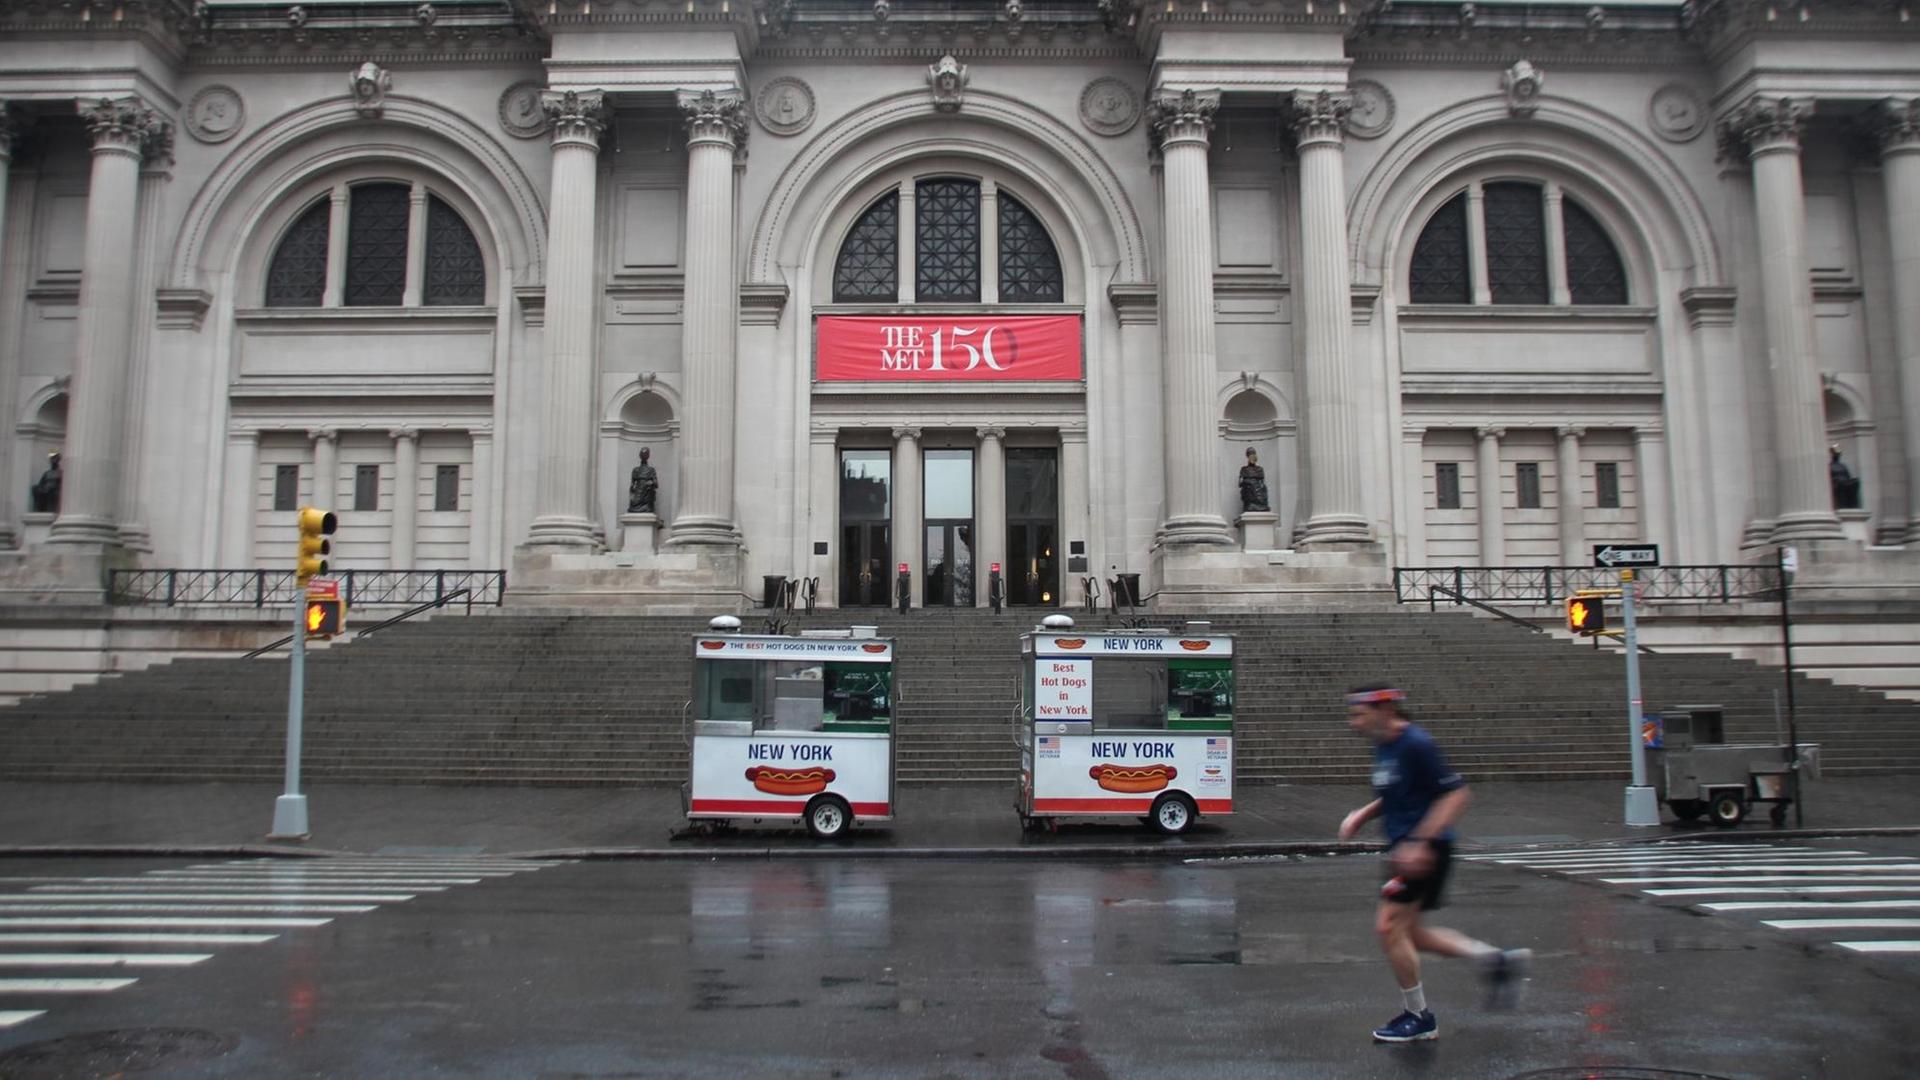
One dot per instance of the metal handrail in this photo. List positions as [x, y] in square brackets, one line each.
[1510, 617]
[382, 625]
[260, 588]
[1724, 583]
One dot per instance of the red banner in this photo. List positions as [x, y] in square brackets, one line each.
[987, 348]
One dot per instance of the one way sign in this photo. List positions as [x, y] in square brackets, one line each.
[1626, 555]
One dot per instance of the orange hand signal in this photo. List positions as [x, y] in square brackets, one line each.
[316, 615]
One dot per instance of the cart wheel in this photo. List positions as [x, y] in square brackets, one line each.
[1687, 809]
[1727, 808]
[828, 817]
[1778, 815]
[1172, 814]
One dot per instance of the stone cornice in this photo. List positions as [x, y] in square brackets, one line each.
[1720, 26]
[385, 31]
[167, 24]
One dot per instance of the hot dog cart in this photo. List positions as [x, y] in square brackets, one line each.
[1127, 723]
[1696, 771]
[790, 728]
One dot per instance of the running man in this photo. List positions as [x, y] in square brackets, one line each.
[1420, 799]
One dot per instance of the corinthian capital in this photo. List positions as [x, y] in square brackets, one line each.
[1897, 123]
[713, 117]
[125, 125]
[575, 116]
[1319, 117]
[1185, 116]
[1769, 123]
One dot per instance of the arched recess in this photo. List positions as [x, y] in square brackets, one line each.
[645, 412]
[1850, 427]
[1254, 413]
[40, 432]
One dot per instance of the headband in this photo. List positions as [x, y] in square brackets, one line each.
[1375, 697]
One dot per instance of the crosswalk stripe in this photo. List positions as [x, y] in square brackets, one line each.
[1705, 860]
[136, 939]
[232, 897]
[1813, 905]
[1662, 847]
[1771, 868]
[62, 986]
[1842, 924]
[1746, 878]
[214, 909]
[491, 865]
[251, 888]
[328, 872]
[10, 1018]
[51, 922]
[102, 959]
[1881, 946]
[1756, 890]
[229, 881]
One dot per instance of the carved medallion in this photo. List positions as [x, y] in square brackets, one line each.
[1676, 113]
[1109, 107]
[1372, 113]
[215, 114]
[784, 106]
[520, 111]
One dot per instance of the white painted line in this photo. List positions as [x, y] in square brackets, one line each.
[102, 959]
[44, 893]
[1891, 947]
[205, 909]
[18, 1016]
[1708, 857]
[1867, 869]
[1751, 879]
[317, 879]
[1842, 924]
[136, 939]
[488, 865]
[1814, 905]
[1634, 849]
[49, 923]
[1812, 890]
[410, 884]
[1709, 864]
[63, 986]
[304, 874]
[251, 888]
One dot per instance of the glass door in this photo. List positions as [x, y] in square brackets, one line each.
[948, 568]
[1033, 510]
[866, 523]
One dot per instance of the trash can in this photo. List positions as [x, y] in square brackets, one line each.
[771, 586]
[1129, 589]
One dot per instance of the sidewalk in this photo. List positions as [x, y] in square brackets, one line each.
[937, 820]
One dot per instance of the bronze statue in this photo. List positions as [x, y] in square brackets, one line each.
[1846, 486]
[1253, 484]
[644, 486]
[46, 490]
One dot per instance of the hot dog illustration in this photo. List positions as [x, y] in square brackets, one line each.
[790, 781]
[1132, 779]
[1194, 646]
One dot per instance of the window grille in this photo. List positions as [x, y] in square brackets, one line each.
[869, 263]
[297, 277]
[446, 487]
[1516, 244]
[286, 487]
[1606, 483]
[1446, 485]
[377, 245]
[1440, 273]
[1526, 479]
[1029, 265]
[455, 272]
[366, 487]
[947, 241]
[1595, 274]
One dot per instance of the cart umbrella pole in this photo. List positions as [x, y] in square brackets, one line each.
[1642, 807]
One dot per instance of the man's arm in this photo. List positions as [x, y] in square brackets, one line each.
[1352, 823]
[1445, 811]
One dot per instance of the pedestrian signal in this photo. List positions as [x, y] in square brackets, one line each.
[325, 617]
[315, 526]
[1586, 615]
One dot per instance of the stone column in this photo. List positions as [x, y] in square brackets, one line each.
[96, 417]
[1558, 292]
[1181, 123]
[1493, 542]
[990, 509]
[406, 498]
[908, 513]
[716, 129]
[906, 279]
[480, 523]
[335, 293]
[236, 519]
[561, 502]
[1326, 314]
[1900, 176]
[326, 468]
[1771, 128]
[1413, 444]
[1477, 244]
[823, 512]
[140, 464]
[9, 504]
[416, 280]
[1573, 517]
[1650, 463]
[1074, 481]
[989, 242]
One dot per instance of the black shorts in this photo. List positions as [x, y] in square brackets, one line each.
[1426, 891]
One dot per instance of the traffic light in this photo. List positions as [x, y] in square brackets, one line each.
[315, 526]
[1586, 615]
[326, 616]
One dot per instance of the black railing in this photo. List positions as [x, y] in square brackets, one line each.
[1723, 584]
[277, 588]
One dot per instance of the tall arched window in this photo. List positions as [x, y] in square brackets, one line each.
[946, 240]
[869, 263]
[1029, 265]
[1513, 250]
[953, 220]
[379, 266]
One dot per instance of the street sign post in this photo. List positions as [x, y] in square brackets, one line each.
[1611, 556]
[1642, 807]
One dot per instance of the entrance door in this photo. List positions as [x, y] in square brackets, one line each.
[948, 569]
[1033, 512]
[866, 538]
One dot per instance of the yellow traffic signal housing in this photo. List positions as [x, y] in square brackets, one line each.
[315, 526]
[1587, 615]
[326, 617]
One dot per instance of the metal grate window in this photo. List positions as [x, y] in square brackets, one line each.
[297, 276]
[1516, 244]
[455, 272]
[446, 487]
[377, 245]
[1526, 482]
[366, 487]
[1606, 484]
[286, 487]
[869, 264]
[1029, 264]
[1440, 273]
[1595, 274]
[1446, 485]
[947, 241]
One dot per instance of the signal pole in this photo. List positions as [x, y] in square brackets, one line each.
[1641, 806]
[290, 809]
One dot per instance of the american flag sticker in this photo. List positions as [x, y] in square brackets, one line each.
[1048, 745]
[1219, 749]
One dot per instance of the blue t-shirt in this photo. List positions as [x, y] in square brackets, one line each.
[1409, 773]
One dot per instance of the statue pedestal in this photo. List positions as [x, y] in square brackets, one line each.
[1854, 525]
[638, 532]
[1256, 530]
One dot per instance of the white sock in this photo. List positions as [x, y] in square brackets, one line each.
[1415, 997]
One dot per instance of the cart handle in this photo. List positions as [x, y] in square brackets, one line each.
[686, 723]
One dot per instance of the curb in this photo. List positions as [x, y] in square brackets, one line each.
[189, 851]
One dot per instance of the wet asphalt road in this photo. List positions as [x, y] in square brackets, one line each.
[820, 968]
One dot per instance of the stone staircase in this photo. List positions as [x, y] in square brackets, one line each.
[597, 699]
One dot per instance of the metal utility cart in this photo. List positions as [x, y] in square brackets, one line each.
[790, 728]
[1697, 772]
[1127, 723]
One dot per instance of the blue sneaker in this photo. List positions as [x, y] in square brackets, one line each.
[1408, 1027]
